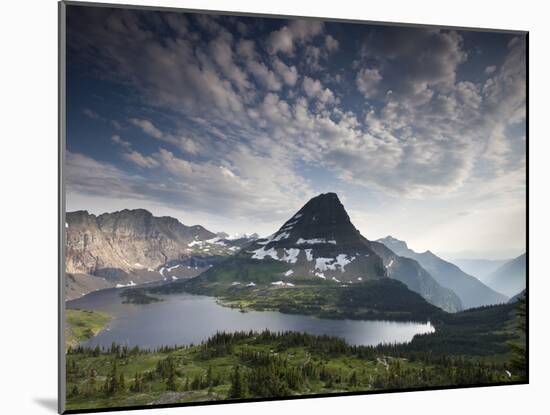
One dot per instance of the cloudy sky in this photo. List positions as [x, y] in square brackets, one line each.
[235, 122]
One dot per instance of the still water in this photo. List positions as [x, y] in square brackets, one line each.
[182, 319]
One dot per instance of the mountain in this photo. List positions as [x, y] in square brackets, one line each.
[417, 279]
[511, 277]
[517, 297]
[320, 244]
[133, 246]
[471, 291]
[479, 268]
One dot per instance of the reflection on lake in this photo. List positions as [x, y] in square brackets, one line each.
[183, 319]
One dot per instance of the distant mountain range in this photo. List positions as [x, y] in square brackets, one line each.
[479, 268]
[471, 291]
[319, 243]
[133, 246]
[510, 278]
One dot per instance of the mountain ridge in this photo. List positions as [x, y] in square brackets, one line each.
[133, 246]
[511, 277]
[471, 291]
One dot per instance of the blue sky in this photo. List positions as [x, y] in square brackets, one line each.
[235, 122]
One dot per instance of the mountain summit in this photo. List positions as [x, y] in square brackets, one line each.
[321, 222]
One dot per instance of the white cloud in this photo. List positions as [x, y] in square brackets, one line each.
[298, 31]
[91, 114]
[119, 141]
[288, 74]
[139, 159]
[331, 44]
[367, 81]
[314, 89]
[490, 69]
[264, 75]
[282, 40]
[222, 53]
[147, 127]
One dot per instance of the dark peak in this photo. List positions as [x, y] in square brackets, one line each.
[324, 200]
[328, 195]
[323, 220]
[322, 210]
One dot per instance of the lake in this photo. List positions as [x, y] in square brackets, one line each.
[182, 319]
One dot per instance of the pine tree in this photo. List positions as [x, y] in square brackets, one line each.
[171, 381]
[121, 382]
[209, 381]
[187, 386]
[519, 359]
[238, 388]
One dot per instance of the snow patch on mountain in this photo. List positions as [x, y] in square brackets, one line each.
[276, 237]
[130, 284]
[291, 255]
[324, 264]
[314, 241]
[242, 236]
[342, 260]
[282, 284]
[262, 253]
